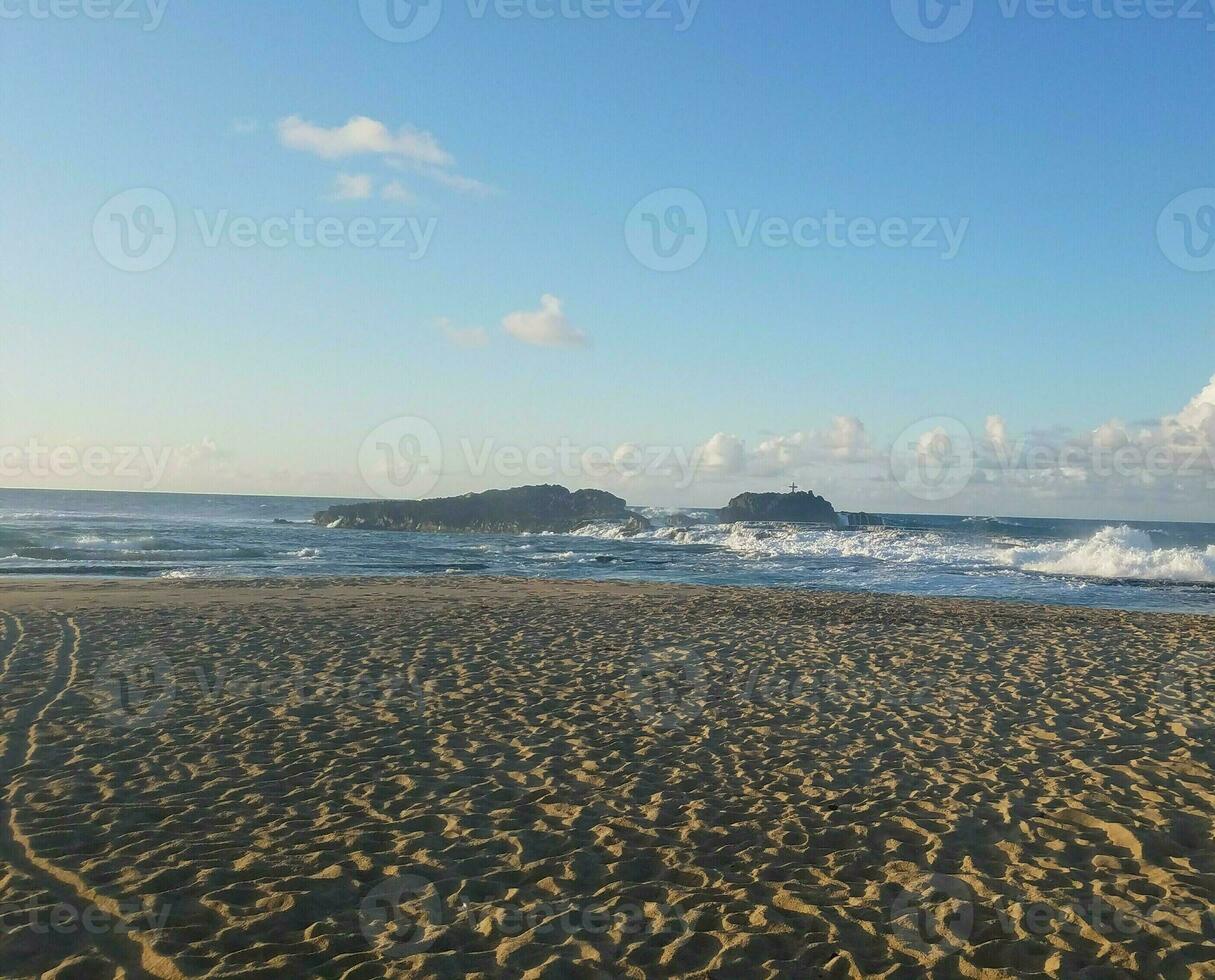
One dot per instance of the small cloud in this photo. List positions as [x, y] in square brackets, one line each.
[362, 136]
[407, 148]
[467, 337]
[545, 327]
[352, 187]
[395, 191]
[244, 125]
[454, 181]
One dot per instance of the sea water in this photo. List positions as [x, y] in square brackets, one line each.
[1146, 566]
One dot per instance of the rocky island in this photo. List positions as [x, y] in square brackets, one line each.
[523, 510]
[796, 508]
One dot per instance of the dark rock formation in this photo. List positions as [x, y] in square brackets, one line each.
[522, 510]
[801, 508]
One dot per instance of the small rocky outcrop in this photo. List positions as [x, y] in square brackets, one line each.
[861, 519]
[533, 510]
[800, 508]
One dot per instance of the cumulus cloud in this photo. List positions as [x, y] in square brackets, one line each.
[843, 441]
[362, 136]
[723, 455]
[545, 327]
[352, 187]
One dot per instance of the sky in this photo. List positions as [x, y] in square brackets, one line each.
[917, 257]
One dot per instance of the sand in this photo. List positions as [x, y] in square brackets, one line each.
[466, 777]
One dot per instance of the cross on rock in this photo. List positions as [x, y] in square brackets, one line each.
[793, 488]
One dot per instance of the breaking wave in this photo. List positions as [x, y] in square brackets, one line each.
[1118, 553]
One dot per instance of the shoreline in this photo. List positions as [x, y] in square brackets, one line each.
[325, 581]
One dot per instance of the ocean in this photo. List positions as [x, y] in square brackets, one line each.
[1139, 566]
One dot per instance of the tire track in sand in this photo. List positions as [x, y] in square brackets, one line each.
[14, 631]
[129, 950]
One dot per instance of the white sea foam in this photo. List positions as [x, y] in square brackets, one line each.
[306, 554]
[1112, 553]
[1117, 552]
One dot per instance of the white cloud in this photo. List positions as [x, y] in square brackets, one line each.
[1199, 415]
[467, 337]
[996, 430]
[362, 136]
[394, 190]
[353, 187]
[723, 455]
[545, 327]
[457, 182]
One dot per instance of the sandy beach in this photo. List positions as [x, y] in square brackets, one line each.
[470, 777]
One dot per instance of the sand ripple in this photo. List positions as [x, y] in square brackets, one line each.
[457, 777]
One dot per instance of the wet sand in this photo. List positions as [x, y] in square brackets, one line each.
[466, 777]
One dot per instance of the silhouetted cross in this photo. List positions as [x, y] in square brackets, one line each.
[793, 489]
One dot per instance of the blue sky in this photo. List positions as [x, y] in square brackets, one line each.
[1058, 140]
